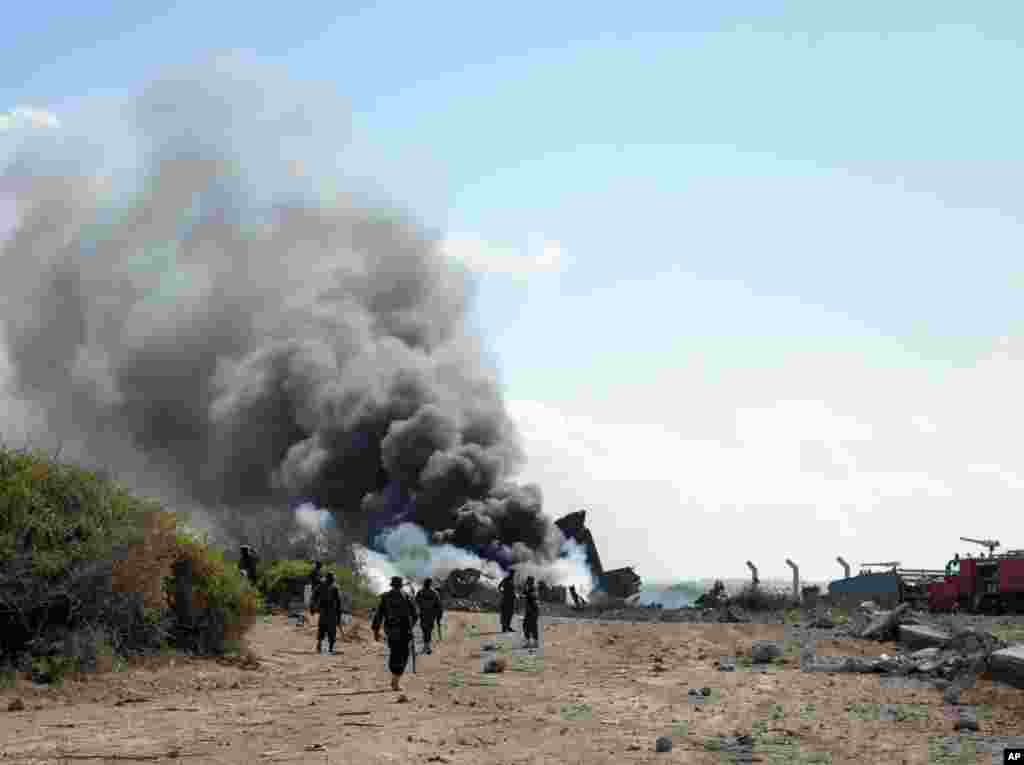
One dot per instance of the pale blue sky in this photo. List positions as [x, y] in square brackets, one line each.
[738, 192]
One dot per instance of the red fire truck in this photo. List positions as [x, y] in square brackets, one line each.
[992, 584]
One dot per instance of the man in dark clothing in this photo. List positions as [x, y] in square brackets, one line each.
[531, 615]
[328, 605]
[507, 588]
[428, 602]
[396, 612]
[316, 577]
[247, 563]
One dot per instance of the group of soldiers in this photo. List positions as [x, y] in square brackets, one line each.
[398, 613]
[333, 607]
[531, 608]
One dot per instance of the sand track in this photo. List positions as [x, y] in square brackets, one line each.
[597, 693]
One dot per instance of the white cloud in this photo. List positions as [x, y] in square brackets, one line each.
[688, 479]
[539, 256]
[27, 116]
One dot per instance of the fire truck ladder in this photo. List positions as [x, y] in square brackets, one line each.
[991, 544]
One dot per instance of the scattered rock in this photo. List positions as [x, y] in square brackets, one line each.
[16, 705]
[633, 748]
[975, 641]
[763, 651]
[402, 699]
[966, 720]
[884, 624]
[495, 665]
[663, 744]
[729, 615]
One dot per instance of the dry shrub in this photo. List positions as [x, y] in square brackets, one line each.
[248, 609]
[220, 588]
[145, 564]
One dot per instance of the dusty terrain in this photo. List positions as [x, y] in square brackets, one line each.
[597, 693]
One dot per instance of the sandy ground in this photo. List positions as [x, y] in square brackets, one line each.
[595, 693]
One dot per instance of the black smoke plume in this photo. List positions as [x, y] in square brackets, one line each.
[217, 332]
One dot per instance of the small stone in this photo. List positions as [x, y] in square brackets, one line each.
[966, 722]
[495, 665]
[402, 699]
[16, 705]
[633, 748]
[663, 744]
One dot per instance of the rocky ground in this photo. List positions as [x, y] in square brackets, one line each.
[597, 691]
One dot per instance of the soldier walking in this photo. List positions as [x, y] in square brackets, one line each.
[328, 604]
[396, 612]
[531, 615]
[507, 588]
[428, 601]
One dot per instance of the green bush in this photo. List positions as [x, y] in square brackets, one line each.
[62, 514]
[53, 669]
[279, 578]
[63, 534]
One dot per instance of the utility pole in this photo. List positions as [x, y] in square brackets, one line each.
[796, 579]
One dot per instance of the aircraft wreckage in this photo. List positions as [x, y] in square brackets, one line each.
[619, 583]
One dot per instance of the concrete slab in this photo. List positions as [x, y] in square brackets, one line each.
[922, 636]
[1007, 665]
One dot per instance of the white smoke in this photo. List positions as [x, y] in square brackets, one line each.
[313, 522]
[669, 597]
[570, 570]
[311, 519]
[407, 553]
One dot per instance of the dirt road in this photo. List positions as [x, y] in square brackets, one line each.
[596, 694]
